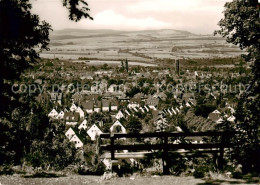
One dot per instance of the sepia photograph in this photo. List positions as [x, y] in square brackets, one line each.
[129, 92]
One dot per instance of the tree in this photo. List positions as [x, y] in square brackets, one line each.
[53, 150]
[122, 65]
[241, 26]
[126, 64]
[134, 125]
[20, 33]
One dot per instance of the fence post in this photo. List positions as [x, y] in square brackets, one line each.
[98, 145]
[221, 153]
[112, 143]
[165, 158]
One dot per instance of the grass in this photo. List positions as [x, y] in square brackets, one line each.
[49, 179]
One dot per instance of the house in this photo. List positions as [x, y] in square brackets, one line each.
[73, 107]
[93, 97]
[231, 118]
[220, 120]
[135, 109]
[179, 129]
[214, 116]
[194, 140]
[83, 125]
[146, 108]
[187, 97]
[127, 112]
[112, 88]
[152, 103]
[162, 96]
[142, 110]
[77, 97]
[119, 115]
[56, 97]
[140, 96]
[232, 110]
[123, 98]
[71, 118]
[117, 127]
[174, 112]
[216, 112]
[60, 115]
[161, 124]
[97, 106]
[94, 131]
[81, 112]
[77, 141]
[70, 132]
[88, 106]
[187, 104]
[134, 102]
[53, 114]
[114, 105]
[105, 105]
[95, 86]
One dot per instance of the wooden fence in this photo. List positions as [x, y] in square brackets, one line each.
[165, 146]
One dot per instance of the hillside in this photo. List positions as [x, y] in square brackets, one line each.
[146, 45]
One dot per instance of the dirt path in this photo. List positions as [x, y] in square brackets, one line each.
[93, 180]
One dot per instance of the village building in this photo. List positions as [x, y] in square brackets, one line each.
[53, 114]
[81, 112]
[77, 141]
[83, 125]
[73, 107]
[119, 115]
[117, 127]
[71, 118]
[60, 115]
[94, 131]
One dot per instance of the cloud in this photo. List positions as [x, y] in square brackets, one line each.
[162, 5]
[197, 16]
[119, 21]
[176, 5]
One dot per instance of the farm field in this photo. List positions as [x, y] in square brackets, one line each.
[146, 46]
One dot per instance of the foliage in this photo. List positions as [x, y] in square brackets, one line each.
[26, 133]
[133, 91]
[134, 125]
[76, 13]
[204, 110]
[54, 149]
[247, 149]
[241, 26]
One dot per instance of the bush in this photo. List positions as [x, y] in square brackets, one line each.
[124, 169]
[237, 175]
[204, 110]
[6, 170]
[200, 172]
[98, 169]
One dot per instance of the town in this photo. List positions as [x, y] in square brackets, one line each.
[91, 100]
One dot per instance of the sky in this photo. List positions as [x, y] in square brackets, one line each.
[196, 16]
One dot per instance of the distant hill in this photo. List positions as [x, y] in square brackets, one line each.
[145, 45]
[85, 33]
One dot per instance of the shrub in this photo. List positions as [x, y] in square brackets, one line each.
[6, 170]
